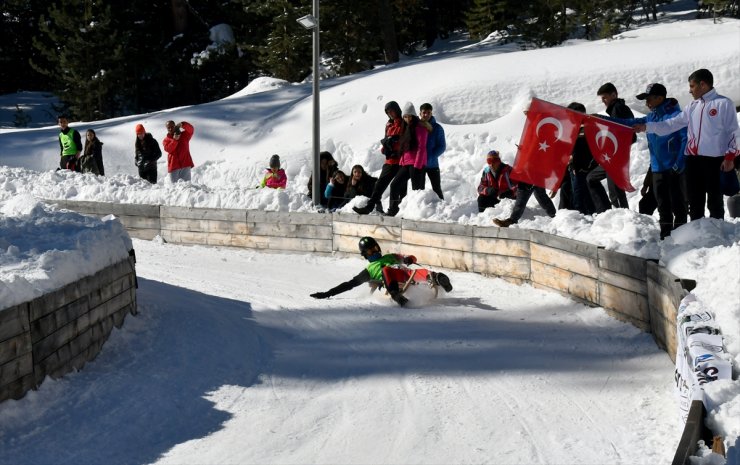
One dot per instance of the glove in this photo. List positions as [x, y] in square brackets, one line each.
[490, 191]
[320, 295]
[409, 260]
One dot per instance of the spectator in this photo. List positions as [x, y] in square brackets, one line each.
[647, 204]
[390, 147]
[436, 145]
[388, 271]
[733, 202]
[147, 153]
[91, 160]
[70, 145]
[581, 164]
[327, 168]
[711, 120]
[336, 190]
[615, 108]
[667, 160]
[413, 146]
[361, 183]
[523, 192]
[274, 176]
[495, 183]
[177, 145]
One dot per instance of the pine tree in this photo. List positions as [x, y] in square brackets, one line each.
[348, 35]
[487, 16]
[18, 22]
[284, 51]
[84, 55]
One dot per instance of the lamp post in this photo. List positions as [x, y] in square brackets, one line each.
[312, 22]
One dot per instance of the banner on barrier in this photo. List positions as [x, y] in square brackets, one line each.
[700, 353]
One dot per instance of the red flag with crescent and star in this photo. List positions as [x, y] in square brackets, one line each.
[610, 145]
[547, 141]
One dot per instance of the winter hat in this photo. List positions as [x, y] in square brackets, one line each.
[409, 109]
[275, 161]
[493, 154]
[140, 129]
[654, 89]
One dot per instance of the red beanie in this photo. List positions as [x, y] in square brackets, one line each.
[140, 129]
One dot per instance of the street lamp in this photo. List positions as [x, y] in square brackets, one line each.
[312, 22]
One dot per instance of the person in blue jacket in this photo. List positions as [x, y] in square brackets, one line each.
[667, 159]
[436, 145]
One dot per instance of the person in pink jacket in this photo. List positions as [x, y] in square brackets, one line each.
[177, 145]
[413, 146]
[274, 177]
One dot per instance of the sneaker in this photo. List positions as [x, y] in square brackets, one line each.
[442, 280]
[502, 223]
[400, 299]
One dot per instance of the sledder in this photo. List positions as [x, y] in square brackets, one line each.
[388, 271]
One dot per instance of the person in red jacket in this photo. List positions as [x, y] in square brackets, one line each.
[177, 145]
[495, 183]
[391, 146]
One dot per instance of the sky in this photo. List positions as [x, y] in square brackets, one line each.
[478, 92]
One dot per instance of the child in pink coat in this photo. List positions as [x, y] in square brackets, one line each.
[274, 177]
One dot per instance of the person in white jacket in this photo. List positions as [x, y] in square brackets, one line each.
[711, 120]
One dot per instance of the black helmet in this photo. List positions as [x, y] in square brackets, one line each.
[275, 162]
[366, 244]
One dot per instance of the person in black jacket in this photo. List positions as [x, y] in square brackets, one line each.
[327, 167]
[360, 183]
[147, 154]
[91, 160]
[616, 108]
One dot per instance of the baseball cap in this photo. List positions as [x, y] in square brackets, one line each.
[655, 89]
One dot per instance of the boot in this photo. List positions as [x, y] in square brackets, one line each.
[379, 208]
[364, 210]
[441, 279]
[502, 223]
[399, 298]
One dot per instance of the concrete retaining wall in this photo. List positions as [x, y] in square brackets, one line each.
[60, 331]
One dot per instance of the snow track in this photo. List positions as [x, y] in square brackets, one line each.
[492, 373]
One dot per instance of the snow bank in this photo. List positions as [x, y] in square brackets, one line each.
[42, 249]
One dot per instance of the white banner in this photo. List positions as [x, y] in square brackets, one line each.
[700, 353]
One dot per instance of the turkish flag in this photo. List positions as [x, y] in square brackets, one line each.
[610, 145]
[547, 141]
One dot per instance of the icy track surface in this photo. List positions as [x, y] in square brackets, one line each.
[230, 361]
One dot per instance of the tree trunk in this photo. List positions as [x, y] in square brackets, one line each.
[388, 30]
[179, 16]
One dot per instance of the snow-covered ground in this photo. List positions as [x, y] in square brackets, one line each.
[244, 367]
[478, 92]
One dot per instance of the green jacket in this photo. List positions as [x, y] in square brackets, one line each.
[68, 143]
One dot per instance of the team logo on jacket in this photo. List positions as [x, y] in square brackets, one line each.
[713, 112]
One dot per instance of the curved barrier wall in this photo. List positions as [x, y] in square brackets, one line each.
[631, 289]
[60, 331]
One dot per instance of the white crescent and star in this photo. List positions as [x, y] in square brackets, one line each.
[605, 133]
[550, 120]
[545, 121]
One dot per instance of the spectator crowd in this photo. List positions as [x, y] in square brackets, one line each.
[694, 160]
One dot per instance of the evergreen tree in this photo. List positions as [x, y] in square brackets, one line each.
[285, 49]
[18, 23]
[84, 55]
[348, 35]
[487, 16]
